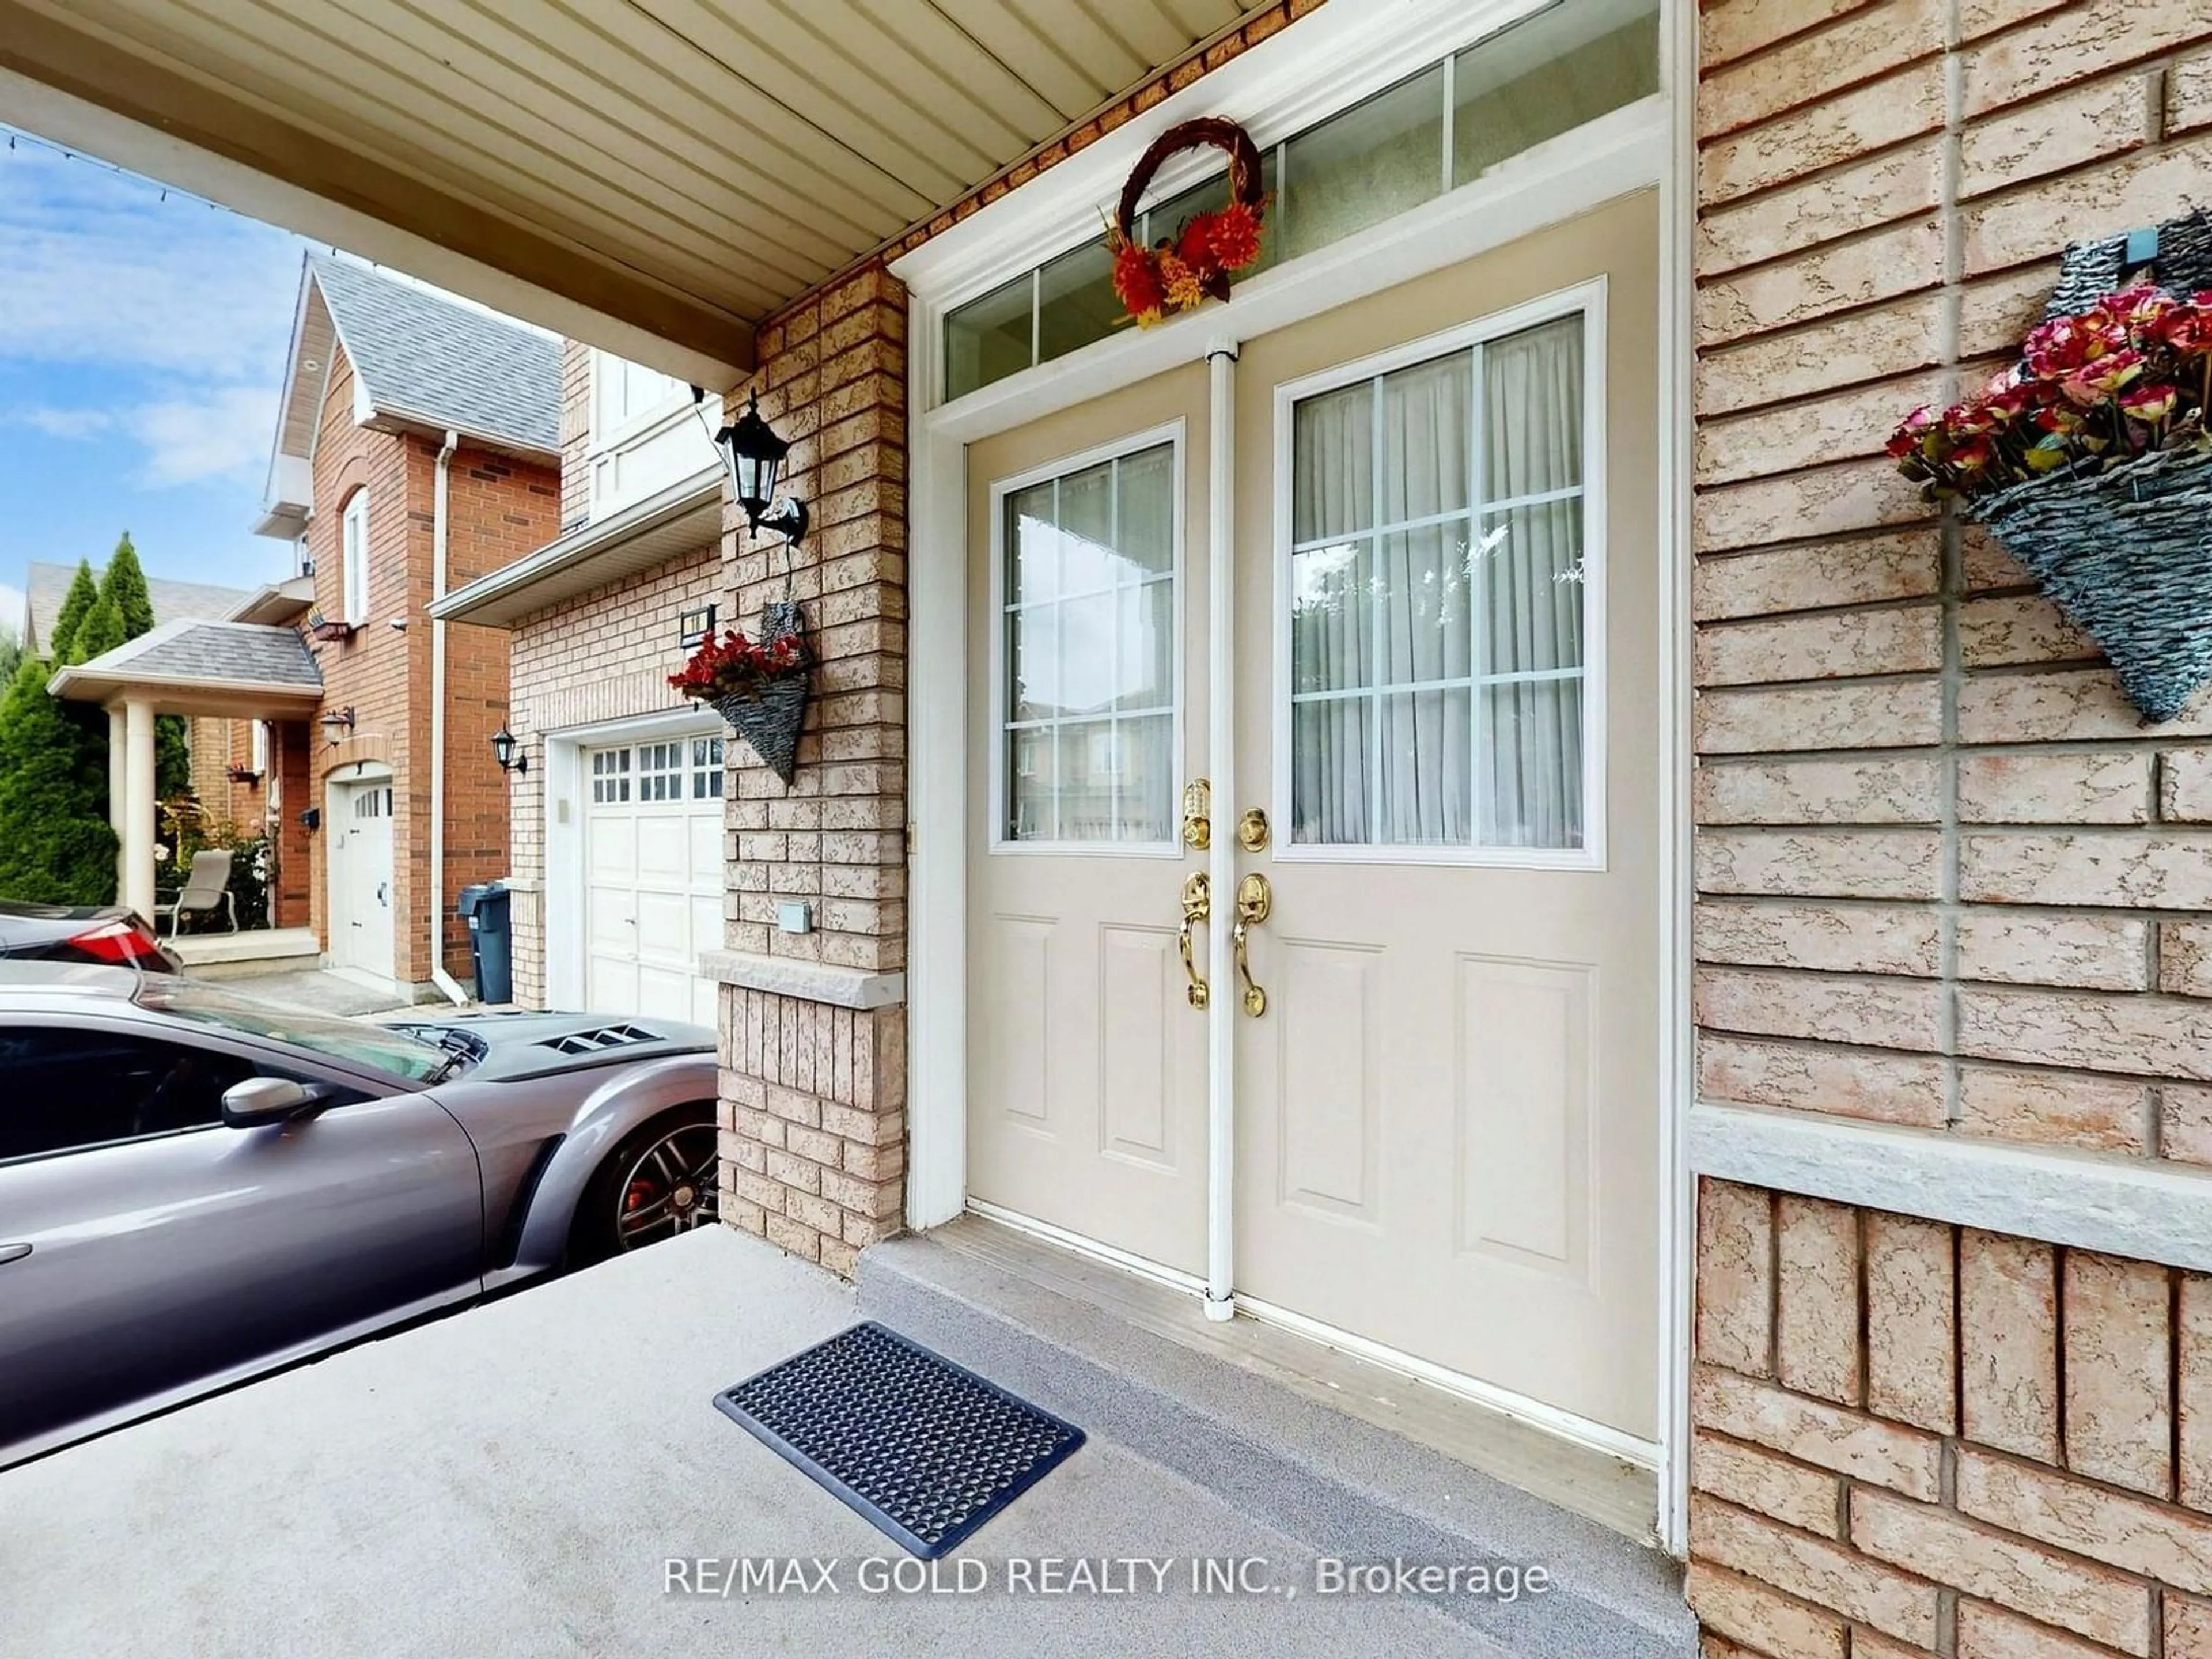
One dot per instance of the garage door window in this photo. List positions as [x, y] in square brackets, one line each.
[610, 776]
[660, 771]
[706, 768]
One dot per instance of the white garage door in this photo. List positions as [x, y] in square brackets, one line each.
[652, 861]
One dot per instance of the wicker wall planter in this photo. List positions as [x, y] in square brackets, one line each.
[771, 721]
[2127, 554]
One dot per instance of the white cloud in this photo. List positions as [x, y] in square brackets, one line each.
[63, 422]
[222, 432]
[99, 269]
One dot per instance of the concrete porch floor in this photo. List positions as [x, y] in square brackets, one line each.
[512, 1480]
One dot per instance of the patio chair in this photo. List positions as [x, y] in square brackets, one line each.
[206, 890]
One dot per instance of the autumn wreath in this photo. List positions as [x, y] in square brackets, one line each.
[1179, 272]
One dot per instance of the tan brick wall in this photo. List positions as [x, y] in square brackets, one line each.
[499, 510]
[575, 433]
[1914, 1438]
[1945, 878]
[604, 655]
[814, 1096]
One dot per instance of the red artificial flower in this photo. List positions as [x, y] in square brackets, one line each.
[1234, 232]
[1194, 248]
[2103, 375]
[2150, 404]
[1137, 283]
[2185, 328]
[1912, 433]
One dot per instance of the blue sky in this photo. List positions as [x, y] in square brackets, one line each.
[142, 344]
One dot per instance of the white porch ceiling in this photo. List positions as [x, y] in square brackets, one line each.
[683, 166]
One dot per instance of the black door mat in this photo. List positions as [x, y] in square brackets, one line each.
[925, 1449]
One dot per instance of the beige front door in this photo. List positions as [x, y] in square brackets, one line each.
[1448, 687]
[1087, 700]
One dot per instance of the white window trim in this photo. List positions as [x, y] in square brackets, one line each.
[354, 558]
[258, 755]
[617, 435]
[1587, 301]
[1172, 435]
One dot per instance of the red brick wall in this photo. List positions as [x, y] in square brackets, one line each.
[499, 510]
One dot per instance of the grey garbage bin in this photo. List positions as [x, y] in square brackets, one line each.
[491, 945]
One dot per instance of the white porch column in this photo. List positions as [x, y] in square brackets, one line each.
[119, 789]
[137, 827]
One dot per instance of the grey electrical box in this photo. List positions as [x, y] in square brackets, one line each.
[794, 916]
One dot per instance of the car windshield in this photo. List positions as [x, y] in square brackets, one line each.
[355, 1043]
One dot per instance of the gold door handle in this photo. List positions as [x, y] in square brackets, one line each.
[1256, 901]
[1197, 905]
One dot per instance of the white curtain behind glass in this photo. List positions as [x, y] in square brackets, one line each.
[1437, 638]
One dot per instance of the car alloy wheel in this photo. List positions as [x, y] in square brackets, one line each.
[669, 1188]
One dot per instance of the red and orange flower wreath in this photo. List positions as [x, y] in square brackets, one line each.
[1180, 272]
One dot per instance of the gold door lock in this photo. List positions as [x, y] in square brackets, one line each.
[1197, 905]
[1252, 830]
[1256, 901]
[1197, 808]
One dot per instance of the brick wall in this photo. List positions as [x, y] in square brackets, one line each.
[575, 433]
[1914, 1439]
[604, 655]
[1946, 880]
[500, 508]
[216, 745]
[814, 1094]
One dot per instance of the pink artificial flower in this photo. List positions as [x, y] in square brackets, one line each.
[2148, 404]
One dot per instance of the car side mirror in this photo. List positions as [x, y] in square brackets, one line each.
[260, 1100]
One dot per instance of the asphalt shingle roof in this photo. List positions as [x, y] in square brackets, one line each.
[46, 585]
[227, 653]
[442, 362]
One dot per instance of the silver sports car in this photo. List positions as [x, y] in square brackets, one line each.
[196, 1185]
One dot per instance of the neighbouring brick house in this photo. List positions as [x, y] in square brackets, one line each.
[417, 448]
[617, 867]
[1725, 983]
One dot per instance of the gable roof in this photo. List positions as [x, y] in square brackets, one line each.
[46, 586]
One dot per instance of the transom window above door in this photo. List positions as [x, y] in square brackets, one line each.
[1442, 579]
[1087, 666]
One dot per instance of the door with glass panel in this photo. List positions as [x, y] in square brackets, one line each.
[1087, 690]
[1448, 691]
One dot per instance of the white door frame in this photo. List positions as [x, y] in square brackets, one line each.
[338, 899]
[567, 804]
[1285, 83]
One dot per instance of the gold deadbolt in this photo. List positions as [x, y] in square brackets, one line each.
[1252, 830]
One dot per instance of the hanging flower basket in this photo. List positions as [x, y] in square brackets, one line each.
[2090, 460]
[320, 627]
[1181, 272]
[758, 686]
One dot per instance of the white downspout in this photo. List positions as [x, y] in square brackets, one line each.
[1221, 862]
[438, 977]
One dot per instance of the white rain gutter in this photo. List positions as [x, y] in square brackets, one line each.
[438, 977]
[1221, 862]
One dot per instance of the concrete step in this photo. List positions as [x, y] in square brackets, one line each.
[1227, 1408]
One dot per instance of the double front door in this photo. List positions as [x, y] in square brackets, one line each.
[1443, 671]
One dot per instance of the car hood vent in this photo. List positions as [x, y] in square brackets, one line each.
[599, 1040]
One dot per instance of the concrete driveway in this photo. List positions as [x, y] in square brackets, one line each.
[515, 1481]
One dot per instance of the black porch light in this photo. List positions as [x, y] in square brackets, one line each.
[756, 462]
[507, 751]
[337, 724]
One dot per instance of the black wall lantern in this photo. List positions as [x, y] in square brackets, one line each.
[692, 627]
[337, 723]
[756, 456]
[507, 751]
